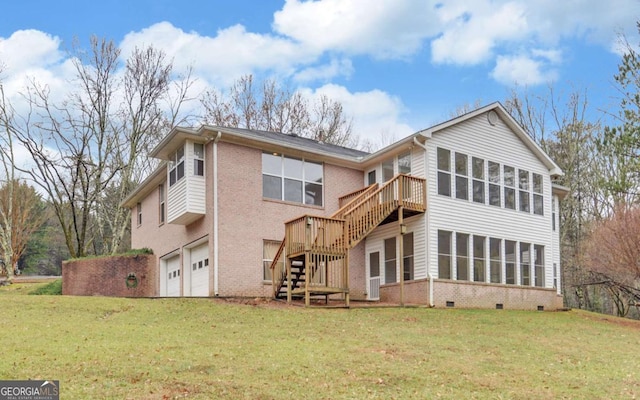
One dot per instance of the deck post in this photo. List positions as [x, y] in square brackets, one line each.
[401, 252]
[307, 259]
[288, 263]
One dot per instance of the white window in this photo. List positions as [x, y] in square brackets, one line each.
[291, 179]
[462, 257]
[444, 172]
[510, 261]
[176, 166]
[198, 159]
[509, 187]
[462, 176]
[524, 187]
[139, 213]
[404, 163]
[525, 264]
[494, 184]
[538, 199]
[269, 250]
[387, 170]
[162, 209]
[495, 260]
[444, 255]
[407, 255]
[479, 259]
[390, 260]
[477, 172]
[538, 265]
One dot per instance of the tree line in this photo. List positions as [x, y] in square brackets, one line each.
[89, 150]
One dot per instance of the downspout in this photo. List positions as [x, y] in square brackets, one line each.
[429, 275]
[215, 214]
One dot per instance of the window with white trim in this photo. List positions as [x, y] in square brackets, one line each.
[477, 173]
[444, 172]
[291, 179]
[139, 213]
[510, 262]
[494, 184]
[198, 159]
[404, 163]
[269, 250]
[538, 199]
[387, 170]
[407, 255]
[176, 166]
[479, 258]
[525, 264]
[524, 186]
[390, 260]
[495, 260]
[162, 209]
[462, 176]
[509, 187]
[538, 265]
[462, 257]
[444, 254]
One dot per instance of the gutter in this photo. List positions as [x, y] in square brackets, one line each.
[216, 261]
[427, 222]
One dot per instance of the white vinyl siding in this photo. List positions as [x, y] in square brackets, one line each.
[498, 145]
[186, 197]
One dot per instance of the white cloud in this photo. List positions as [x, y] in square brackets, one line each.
[342, 67]
[522, 70]
[374, 112]
[28, 49]
[382, 28]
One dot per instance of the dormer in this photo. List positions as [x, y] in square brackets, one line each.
[186, 193]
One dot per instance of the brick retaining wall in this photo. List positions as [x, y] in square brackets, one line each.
[107, 276]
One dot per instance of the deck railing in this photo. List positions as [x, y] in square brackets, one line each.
[325, 241]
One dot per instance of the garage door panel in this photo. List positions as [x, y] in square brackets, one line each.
[200, 270]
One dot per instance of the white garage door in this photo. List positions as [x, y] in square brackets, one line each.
[200, 270]
[172, 277]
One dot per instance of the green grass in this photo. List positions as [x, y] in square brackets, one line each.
[203, 349]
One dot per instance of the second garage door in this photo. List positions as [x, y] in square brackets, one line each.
[200, 270]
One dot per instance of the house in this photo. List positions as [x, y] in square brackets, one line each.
[462, 214]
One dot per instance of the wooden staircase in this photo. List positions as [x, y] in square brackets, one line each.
[313, 258]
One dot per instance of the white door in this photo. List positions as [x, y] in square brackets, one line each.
[374, 275]
[200, 270]
[172, 277]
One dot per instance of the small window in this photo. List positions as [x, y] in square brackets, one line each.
[444, 255]
[176, 166]
[462, 176]
[494, 184]
[509, 187]
[479, 259]
[444, 172]
[538, 199]
[477, 172]
[510, 261]
[407, 256]
[553, 214]
[387, 170]
[390, 260]
[462, 257]
[269, 250]
[198, 159]
[404, 163]
[139, 213]
[371, 177]
[523, 185]
[162, 209]
[525, 264]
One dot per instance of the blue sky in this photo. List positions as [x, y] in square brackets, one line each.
[397, 66]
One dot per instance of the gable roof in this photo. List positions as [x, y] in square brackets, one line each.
[553, 168]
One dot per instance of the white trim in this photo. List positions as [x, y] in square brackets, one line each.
[215, 215]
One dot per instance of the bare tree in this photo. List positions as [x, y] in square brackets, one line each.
[272, 107]
[612, 252]
[89, 150]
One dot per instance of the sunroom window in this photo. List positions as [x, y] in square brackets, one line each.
[198, 159]
[291, 179]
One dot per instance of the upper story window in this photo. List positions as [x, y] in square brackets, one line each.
[462, 178]
[404, 163]
[291, 179]
[198, 159]
[509, 187]
[444, 172]
[538, 199]
[494, 184]
[176, 166]
[387, 170]
[477, 172]
[371, 177]
[139, 213]
[524, 186]
[162, 208]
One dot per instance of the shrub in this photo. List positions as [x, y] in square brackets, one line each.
[52, 289]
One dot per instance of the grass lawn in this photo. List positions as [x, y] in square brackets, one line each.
[204, 349]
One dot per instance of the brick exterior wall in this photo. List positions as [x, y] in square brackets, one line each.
[106, 276]
[473, 295]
